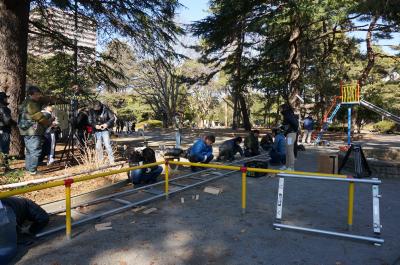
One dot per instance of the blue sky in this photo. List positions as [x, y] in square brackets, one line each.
[193, 10]
[197, 9]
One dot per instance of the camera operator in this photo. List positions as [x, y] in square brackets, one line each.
[32, 124]
[291, 127]
[102, 119]
[5, 130]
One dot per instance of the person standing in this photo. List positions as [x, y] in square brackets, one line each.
[49, 145]
[102, 119]
[32, 125]
[291, 127]
[308, 126]
[5, 131]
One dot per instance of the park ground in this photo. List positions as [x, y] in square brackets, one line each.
[212, 230]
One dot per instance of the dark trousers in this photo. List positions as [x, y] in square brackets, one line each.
[276, 158]
[33, 151]
[195, 160]
[139, 176]
[4, 148]
[249, 152]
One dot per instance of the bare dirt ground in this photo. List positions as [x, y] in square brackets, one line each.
[212, 230]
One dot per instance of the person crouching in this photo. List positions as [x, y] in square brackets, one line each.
[201, 151]
[144, 176]
[229, 148]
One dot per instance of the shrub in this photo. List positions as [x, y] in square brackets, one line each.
[385, 126]
[151, 124]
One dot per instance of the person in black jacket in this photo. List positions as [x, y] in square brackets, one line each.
[229, 148]
[143, 176]
[14, 212]
[102, 119]
[291, 126]
[5, 130]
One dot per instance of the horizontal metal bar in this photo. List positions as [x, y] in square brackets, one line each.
[43, 186]
[367, 181]
[135, 190]
[324, 232]
[121, 201]
[177, 184]
[260, 170]
[133, 204]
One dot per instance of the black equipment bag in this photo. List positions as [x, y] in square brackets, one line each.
[256, 164]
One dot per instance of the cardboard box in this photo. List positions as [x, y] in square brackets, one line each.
[328, 163]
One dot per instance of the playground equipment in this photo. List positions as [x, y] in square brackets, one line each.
[350, 96]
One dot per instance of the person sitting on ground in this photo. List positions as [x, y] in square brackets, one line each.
[278, 153]
[267, 142]
[144, 176]
[14, 212]
[251, 144]
[229, 148]
[201, 151]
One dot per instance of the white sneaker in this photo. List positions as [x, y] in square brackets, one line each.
[283, 168]
[290, 169]
[51, 161]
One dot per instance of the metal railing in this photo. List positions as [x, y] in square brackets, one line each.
[299, 174]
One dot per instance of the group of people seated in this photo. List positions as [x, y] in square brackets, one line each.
[202, 152]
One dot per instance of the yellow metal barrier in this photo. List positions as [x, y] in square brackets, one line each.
[166, 179]
[68, 183]
[244, 189]
[68, 225]
[6, 194]
[260, 170]
[350, 207]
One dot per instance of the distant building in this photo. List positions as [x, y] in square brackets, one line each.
[62, 22]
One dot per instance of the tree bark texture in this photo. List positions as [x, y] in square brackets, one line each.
[370, 52]
[237, 87]
[294, 61]
[14, 17]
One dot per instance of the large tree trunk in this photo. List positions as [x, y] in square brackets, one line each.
[294, 66]
[14, 16]
[245, 113]
[370, 52]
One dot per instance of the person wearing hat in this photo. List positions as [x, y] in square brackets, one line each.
[5, 130]
[32, 124]
[102, 119]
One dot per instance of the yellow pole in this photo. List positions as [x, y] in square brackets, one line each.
[350, 206]
[166, 178]
[68, 229]
[244, 189]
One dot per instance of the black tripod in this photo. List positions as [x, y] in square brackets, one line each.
[361, 167]
[70, 145]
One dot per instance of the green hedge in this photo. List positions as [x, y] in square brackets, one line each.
[151, 124]
[385, 126]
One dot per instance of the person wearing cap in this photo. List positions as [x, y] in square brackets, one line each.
[5, 130]
[32, 124]
[102, 119]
